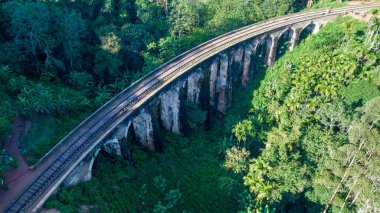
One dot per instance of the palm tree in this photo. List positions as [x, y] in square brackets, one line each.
[243, 130]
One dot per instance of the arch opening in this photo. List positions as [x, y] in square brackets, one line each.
[284, 42]
[261, 53]
[306, 32]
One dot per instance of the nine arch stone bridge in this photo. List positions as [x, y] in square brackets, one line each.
[212, 68]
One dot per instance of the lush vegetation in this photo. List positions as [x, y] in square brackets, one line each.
[316, 115]
[61, 60]
[309, 141]
[188, 167]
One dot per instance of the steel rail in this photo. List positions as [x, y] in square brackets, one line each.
[76, 149]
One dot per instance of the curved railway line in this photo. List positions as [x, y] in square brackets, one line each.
[86, 136]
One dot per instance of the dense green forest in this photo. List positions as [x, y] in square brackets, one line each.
[308, 140]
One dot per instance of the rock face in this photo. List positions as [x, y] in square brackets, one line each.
[238, 54]
[272, 45]
[213, 81]
[170, 108]
[247, 73]
[143, 127]
[221, 84]
[317, 27]
[112, 146]
[224, 85]
[194, 83]
[236, 63]
[82, 172]
[295, 37]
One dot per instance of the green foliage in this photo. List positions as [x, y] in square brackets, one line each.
[358, 93]
[6, 161]
[237, 159]
[195, 116]
[172, 197]
[45, 133]
[315, 112]
[5, 129]
[7, 110]
[190, 169]
[328, 4]
[160, 183]
[183, 17]
[39, 99]
[81, 80]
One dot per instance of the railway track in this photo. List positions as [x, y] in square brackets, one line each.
[78, 143]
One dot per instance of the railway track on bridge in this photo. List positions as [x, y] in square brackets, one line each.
[78, 143]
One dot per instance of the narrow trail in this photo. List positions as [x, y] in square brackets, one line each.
[12, 145]
[17, 179]
[14, 176]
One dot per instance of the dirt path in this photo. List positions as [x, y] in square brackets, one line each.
[18, 179]
[15, 178]
[12, 145]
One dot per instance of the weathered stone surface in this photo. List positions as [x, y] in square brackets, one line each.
[236, 63]
[194, 83]
[238, 54]
[213, 81]
[170, 106]
[221, 84]
[317, 27]
[247, 71]
[82, 172]
[295, 37]
[143, 127]
[112, 146]
[224, 85]
[271, 56]
[255, 44]
[122, 131]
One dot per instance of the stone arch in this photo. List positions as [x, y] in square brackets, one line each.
[261, 47]
[142, 127]
[83, 171]
[194, 83]
[306, 31]
[117, 143]
[248, 63]
[236, 62]
[170, 104]
[284, 42]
